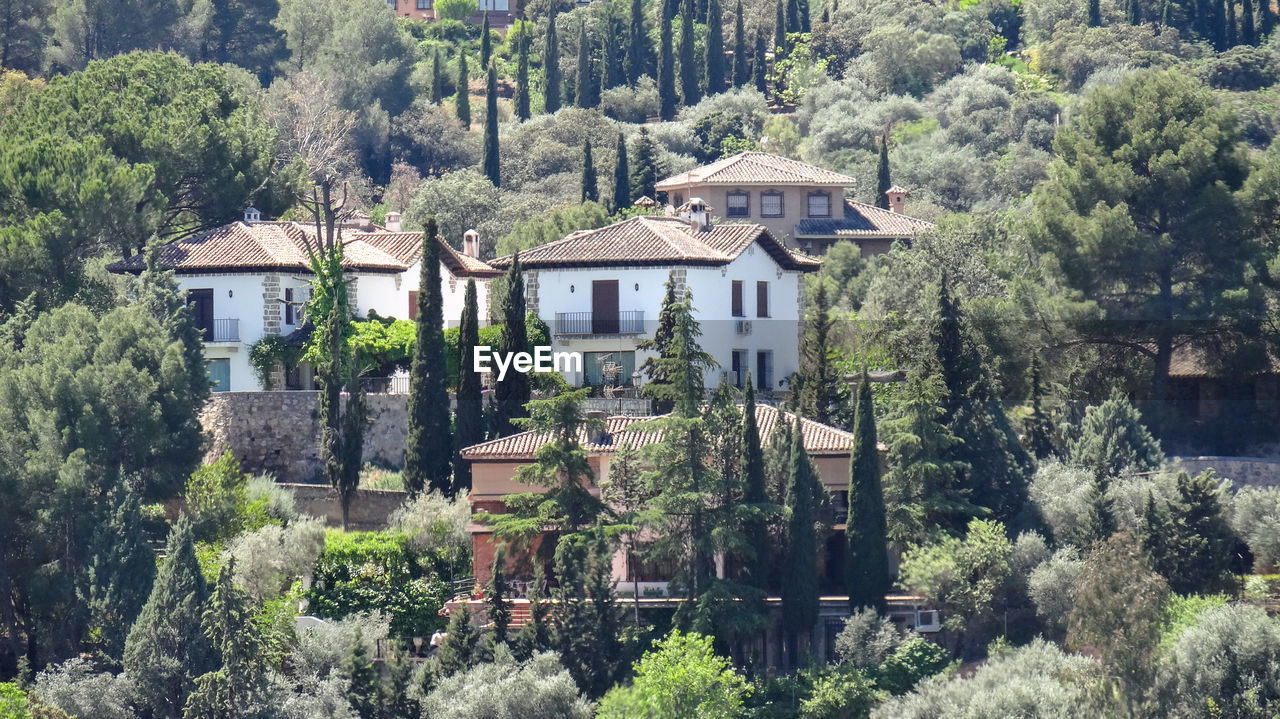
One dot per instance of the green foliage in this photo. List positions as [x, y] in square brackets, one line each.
[456, 9]
[681, 677]
[586, 621]
[218, 499]
[1222, 664]
[867, 574]
[512, 394]
[1189, 543]
[461, 647]
[121, 575]
[964, 577]
[551, 89]
[800, 573]
[428, 453]
[841, 694]
[1183, 611]
[911, 662]
[268, 353]
[1113, 440]
[468, 419]
[555, 224]
[539, 688]
[239, 687]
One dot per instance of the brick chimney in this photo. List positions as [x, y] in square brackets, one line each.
[392, 221]
[471, 243]
[897, 199]
[698, 215]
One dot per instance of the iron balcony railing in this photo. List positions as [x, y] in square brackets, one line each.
[226, 330]
[397, 384]
[587, 323]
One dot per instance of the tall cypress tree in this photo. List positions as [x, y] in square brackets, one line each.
[1098, 522]
[495, 599]
[462, 94]
[715, 48]
[754, 494]
[458, 651]
[486, 43]
[427, 451]
[741, 71]
[551, 65]
[644, 169]
[760, 65]
[584, 81]
[437, 78]
[1219, 25]
[469, 420]
[1248, 33]
[822, 394]
[1233, 36]
[512, 393]
[655, 368]
[637, 44]
[1266, 19]
[621, 176]
[238, 689]
[1095, 13]
[492, 166]
[121, 574]
[805, 25]
[865, 528]
[690, 71]
[522, 80]
[883, 181]
[167, 649]
[590, 188]
[793, 16]
[613, 71]
[779, 31]
[800, 572]
[666, 74]
[1039, 429]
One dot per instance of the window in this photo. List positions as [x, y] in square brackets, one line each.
[424, 4]
[611, 368]
[740, 363]
[220, 374]
[201, 304]
[764, 370]
[762, 299]
[737, 299]
[604, 307]
[819, 204]
[392, 3]
[771, 204]
[290, 315]
[739, 204]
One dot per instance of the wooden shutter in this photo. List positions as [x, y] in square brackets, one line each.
[413, 305]
[762, 299]
[737, 299]
[604, 307]
[201, 302]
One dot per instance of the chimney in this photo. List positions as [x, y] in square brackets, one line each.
[392, 221]
[251, 214]
[698, 215]
[897, 198]
[471, 243]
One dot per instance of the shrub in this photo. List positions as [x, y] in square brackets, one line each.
[456, 9]
[680, 677]
[841, 694]
[911, 662]
[867, 639]
[540, 688]
[269, 559]
[76, 688]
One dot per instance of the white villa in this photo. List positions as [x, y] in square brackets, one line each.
[251, 278]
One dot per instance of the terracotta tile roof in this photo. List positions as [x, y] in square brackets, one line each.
[756, 168]
[819, 439]
[281, 246]
[862, 220]
[1190, 362]
[657, 241]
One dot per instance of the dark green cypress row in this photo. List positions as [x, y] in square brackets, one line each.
[437, 78]
[486, 43]
[522, 80]
[779, 31]
[866, 529]
[1219, 26]
[1095, 13]
[584, 80]
[805, 25]
[637, 44]
[800, 572]
[1266, 19]
[492, 166]
[666, 74]
[715, 48]
[644, 170]
[512, 393]
[883, 181]
[621, 176]
[551, 66]
[462, 95]
[793, 16]
[469, 420]
[427, 451]
[590, 188]
[741, 72]
[760, 64]
[755, 493]
[1248, 32]
[690, 72]
[613, 71]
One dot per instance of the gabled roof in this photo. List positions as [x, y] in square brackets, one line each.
[820, 440]
[755, 168]
[862, 220]
[658, 241]
[282, 247]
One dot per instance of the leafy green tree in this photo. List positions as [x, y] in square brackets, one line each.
[426, 461]
[666, 73]
[690, 70]
[512, 393]
[238, 689]
[1223, 664]
[1098, 522]
[521, 102]
[621, 177]
[1189, 543]
[469, 419]
[637, 44]
[715, 49]
[865, 528]
[120, 576]
[460, 649]
[96, 30]
[1157, 244]
[538, 688]
[492, 167]
[167, 648]
[644, 167]
[1113, 440]
[823, 393]
[243, 35]
[741, 70]
[22, 41]
[590, 188]
[800, 573]
[681, 677]
[462, 94]
[551, 65]
[883, 180]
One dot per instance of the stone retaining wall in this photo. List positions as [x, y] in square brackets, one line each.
[1242, 471]
[370, 508]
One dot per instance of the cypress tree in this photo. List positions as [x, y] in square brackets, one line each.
[427, 451]
[469, 420]
[458, 650]
[492, 166]
[666, 74]
[637, 44]
[486, 43]
[1133, 12]
[167, 648]
[551, 65]
[522, 80]
[437, 78]
[644, 170]
[121, 574]
[1039, 429]
[800, 571]
[621, 177]
[363, 679]
[760, 65]
[1266, 19]
[238, 689]
[690, 72]
[590, 189]
[821, 395]
[805, 25]
[462, 94]
[1098, 522]
[1095, 13]
[613, 70]
[512, 393]
[715, 48]
[1166, 15]
[1219, 25]
[883, 181]
[584, 80]
[865, 528]
[779, 31]
[655, 368]
[1248, 33]
[741, 72]
[495, 599]
[754, 493]
[793, 16]
[1233, 35]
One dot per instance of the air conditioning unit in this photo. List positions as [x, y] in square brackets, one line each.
[743, 327]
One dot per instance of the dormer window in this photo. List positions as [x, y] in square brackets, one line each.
[819, 204]
[739, 204]
[252, 215]
[771, 204]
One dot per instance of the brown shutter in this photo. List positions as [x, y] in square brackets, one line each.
[762, 299]
[604, 307]
[413, 305]
[201, 302]
[737, 298]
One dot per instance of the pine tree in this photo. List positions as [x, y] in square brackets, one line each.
[167, 649]
[590, 188]
[512, 393]
[822, 394]
[238, 689]
[637, 44]
[486, 42]
[457, 652]
[741, 71]
[1098, 522]
[760, 65]
[883, 181]
[644, 169]
[666, 74]
[363, 679]
[662, 344]
[121, 574]
[462, 95]
[800, 571]
[1190, 545]
[621, 176]
[584, 80]
[522, 80]
[585, 618]
[1248, 33]
[495, 599]
[551, 65]
[1095, 13]
[715, 48]
[1113, 440]
[535, 635]
[866, 527]
[469, 418]
[427, 452]
[437, 78]
[1039, 430]
[492, 166]
[754, 494]
[690, 71]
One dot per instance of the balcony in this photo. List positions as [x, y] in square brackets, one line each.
[222, 331]
[584, 323]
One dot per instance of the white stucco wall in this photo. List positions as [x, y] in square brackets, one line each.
[452, 291]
